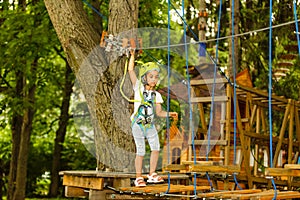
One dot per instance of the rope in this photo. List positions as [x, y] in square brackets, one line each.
[168, 96]
[189, 92]
[296, 24]
[94, 9]
[234, 91]
[193, 134]
[217, 56]
[270, 96]
[122, 83]
[211, 118]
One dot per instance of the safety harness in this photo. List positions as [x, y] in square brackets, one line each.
[143, 117]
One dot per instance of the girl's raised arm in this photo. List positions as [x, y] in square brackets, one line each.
[131, 71]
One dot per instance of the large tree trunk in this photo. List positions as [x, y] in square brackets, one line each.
[97, 72]
[61, 132]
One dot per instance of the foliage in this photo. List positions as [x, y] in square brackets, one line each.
[24, 38]
[28, 36]
[74, 151]
[289, 86]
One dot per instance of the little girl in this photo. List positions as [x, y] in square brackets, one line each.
[147, 101]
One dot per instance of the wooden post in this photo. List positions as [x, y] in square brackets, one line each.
[245, 147]
[228, 125]
[290, 139]
[282, 131]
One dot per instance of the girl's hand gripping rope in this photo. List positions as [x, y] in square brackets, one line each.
[174, 115]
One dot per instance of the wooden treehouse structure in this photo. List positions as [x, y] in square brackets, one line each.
[230, 144]
[250, 168]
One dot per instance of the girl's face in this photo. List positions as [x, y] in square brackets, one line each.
[152, 78]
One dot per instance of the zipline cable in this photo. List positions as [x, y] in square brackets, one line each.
[270, 96]
[211, 40]
[222, 38]
[185, 23]
[234, 90]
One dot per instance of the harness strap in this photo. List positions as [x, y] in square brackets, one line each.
[143, 119]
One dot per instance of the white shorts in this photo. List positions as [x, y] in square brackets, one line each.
[139, 136]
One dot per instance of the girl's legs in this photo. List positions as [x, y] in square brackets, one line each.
[153, 161]
[139, 165]
[139, 139]
[153, 140]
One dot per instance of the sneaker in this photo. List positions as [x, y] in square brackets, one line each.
[139, 182]
[154, 178]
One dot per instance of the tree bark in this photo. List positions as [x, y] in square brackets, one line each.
[61, 132]
[98, 72]
[21, 174]
[234, 54]
[16, 123]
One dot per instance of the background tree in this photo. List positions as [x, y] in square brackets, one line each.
[32, 76]
[34, 88]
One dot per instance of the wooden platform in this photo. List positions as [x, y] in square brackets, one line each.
[96, 185]
[250, 194]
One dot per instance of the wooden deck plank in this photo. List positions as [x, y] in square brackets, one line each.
[267, 195]
[162, 188]
[101, 174]
[230, 193]
[282, 195]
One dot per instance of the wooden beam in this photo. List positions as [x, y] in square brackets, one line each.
[281, 172]
[76, 192]
[282, 132]
[211, 142]
[83, 182]
[292, 166]
[214, 168]
[207, 163]
[208, 81]
[208, 99]
[228, 126]
[173, 167]
[291, 133]
[266, 138]
[263, 94]
[245, 146]
[254, 113]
